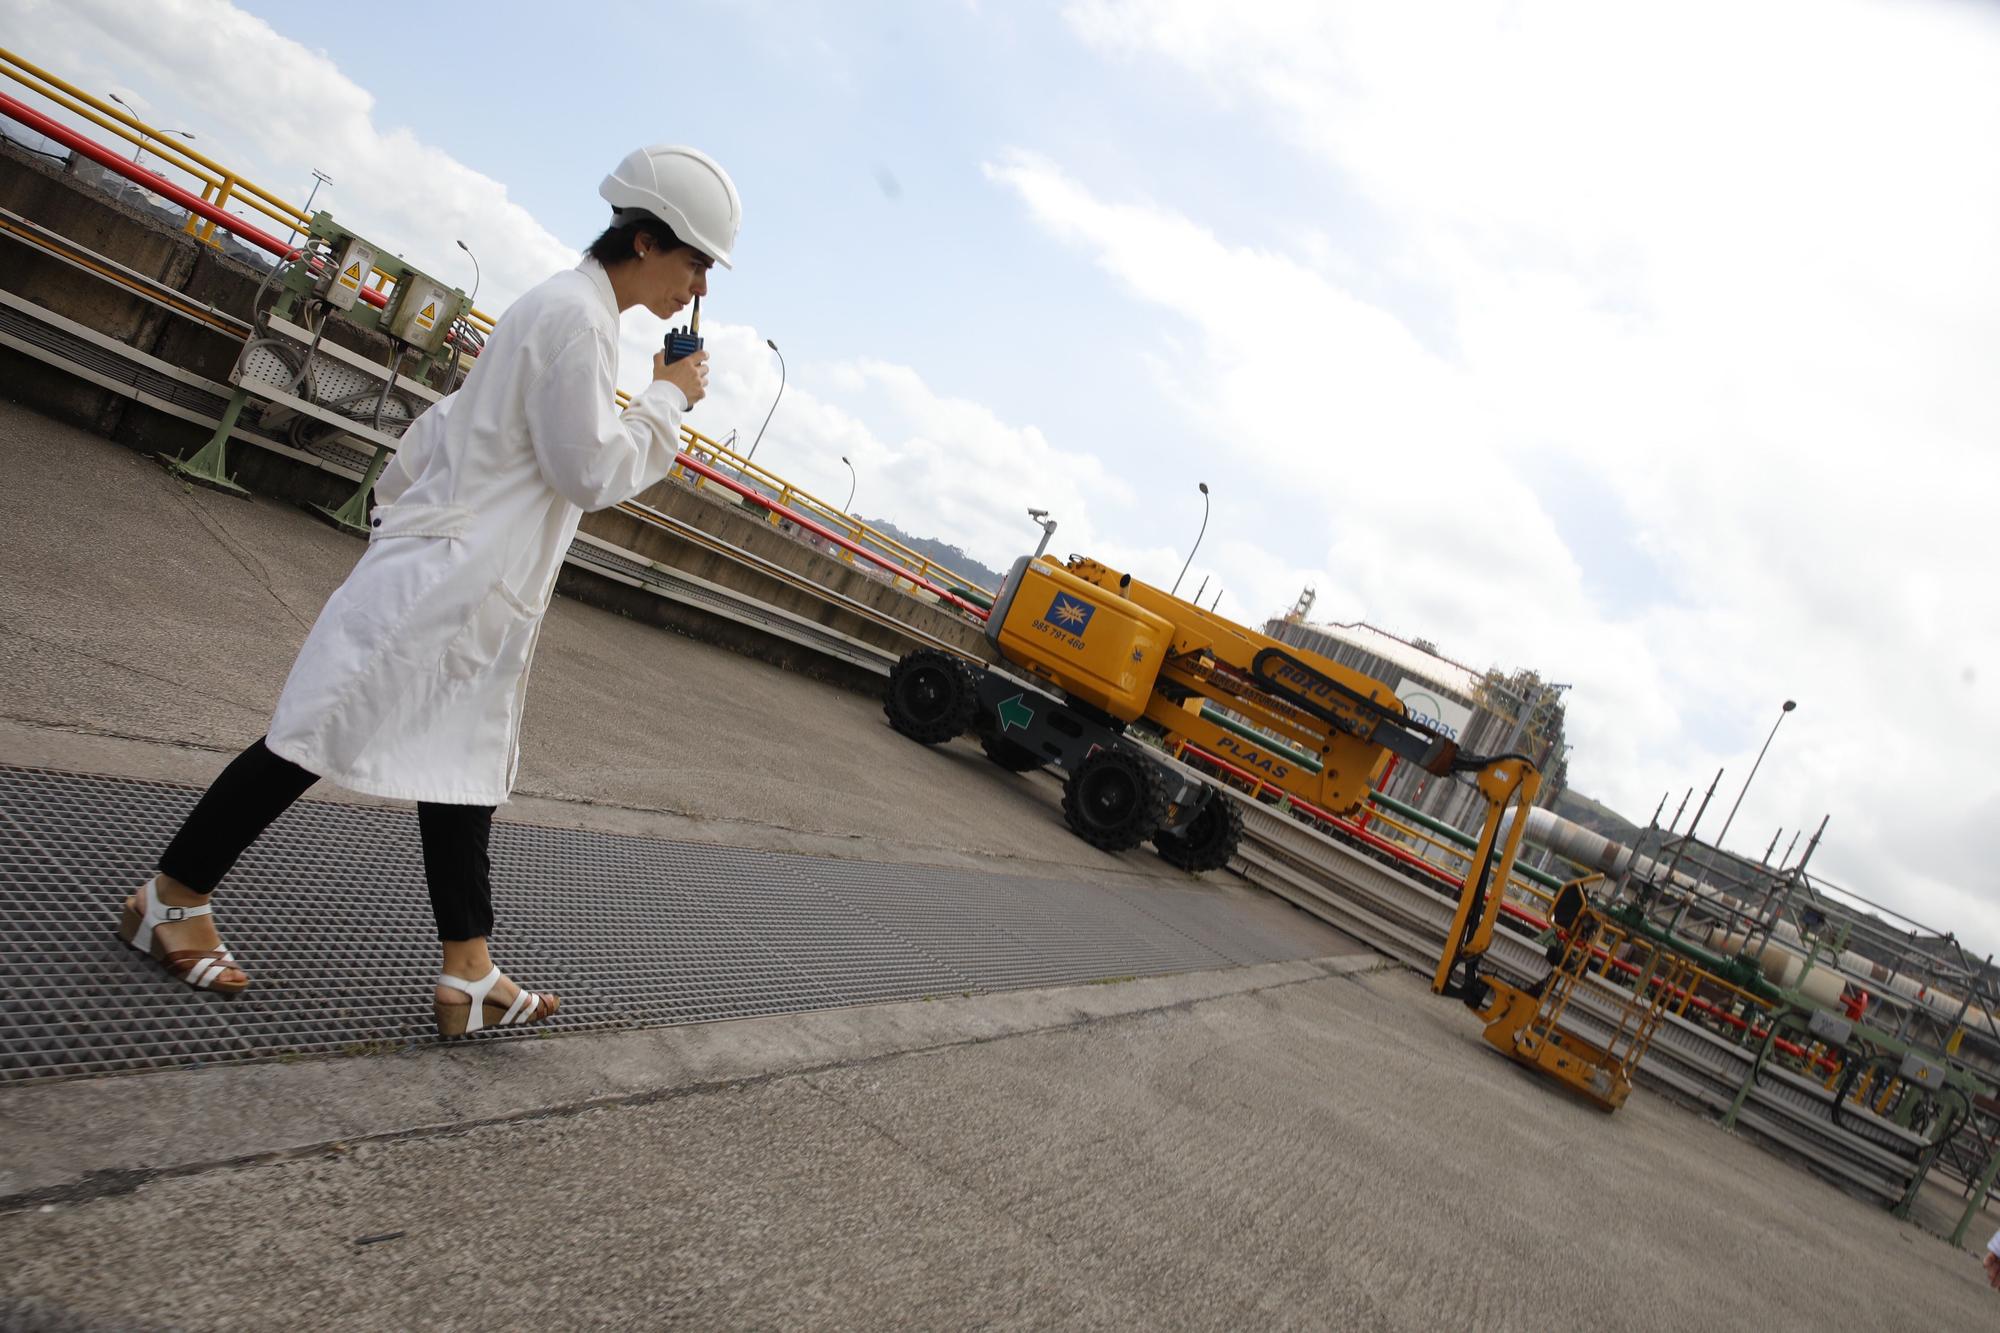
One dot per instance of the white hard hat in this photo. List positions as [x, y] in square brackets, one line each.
[683, 188]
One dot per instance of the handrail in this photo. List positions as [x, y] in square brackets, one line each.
[918, 570]
[214, 177]
[152, 180]
[1702, 978]
[790, 494]
[763, 501]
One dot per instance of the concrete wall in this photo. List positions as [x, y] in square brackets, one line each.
[72, 204]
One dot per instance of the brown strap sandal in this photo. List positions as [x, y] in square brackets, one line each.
[203, 969]
[458, 1020]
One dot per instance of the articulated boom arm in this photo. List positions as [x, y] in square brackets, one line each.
[1509, 781]
[1350, 723]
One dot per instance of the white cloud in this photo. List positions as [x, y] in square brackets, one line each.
[932, 464]
[272, 109]
[1731, 264]
[265, 106]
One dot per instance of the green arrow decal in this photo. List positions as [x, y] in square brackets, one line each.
[1015, 712]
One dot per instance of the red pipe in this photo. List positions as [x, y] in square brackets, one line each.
[1367, 811]
[1356, 832]
[758, 498]
[158, 184]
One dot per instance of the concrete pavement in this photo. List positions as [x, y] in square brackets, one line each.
[1304, 1145]
[1299, 1150]
[136, 609]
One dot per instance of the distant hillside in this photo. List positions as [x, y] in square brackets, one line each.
[1601, 818]
[932, 549]
[1580, 809]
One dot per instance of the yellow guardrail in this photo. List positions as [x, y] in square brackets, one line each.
[219, 185]
[805, 502]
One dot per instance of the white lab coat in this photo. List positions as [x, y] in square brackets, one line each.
[410, 684]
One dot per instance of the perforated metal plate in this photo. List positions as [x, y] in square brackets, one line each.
[329, 914]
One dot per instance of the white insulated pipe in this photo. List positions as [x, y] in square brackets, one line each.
[1781, 956]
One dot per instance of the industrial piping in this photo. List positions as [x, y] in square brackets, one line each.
[1781, 956]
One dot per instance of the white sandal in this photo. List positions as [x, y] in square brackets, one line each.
[203, 969]
[458, 1020]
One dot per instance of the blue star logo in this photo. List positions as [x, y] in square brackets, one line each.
[1071, 614]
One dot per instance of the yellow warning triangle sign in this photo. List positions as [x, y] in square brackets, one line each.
[429, 313]
[353, 273]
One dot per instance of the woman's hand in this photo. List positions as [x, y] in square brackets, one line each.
[689, 374]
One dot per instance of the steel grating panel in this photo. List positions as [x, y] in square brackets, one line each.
[328, 912]
[40, 334]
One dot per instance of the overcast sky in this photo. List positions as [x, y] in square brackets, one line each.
[1652, 347]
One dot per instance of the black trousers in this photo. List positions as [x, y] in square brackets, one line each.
[258, 786]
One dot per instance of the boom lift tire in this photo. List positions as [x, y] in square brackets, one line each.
[1113, 800]
[1207, 842]
[1011, 755]
[931, 696]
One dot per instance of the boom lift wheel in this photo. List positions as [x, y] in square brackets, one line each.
[1113, 801]
[1209, 839]
[1011, 755]
[930, 696]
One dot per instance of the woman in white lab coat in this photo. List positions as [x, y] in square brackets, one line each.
[410, 684]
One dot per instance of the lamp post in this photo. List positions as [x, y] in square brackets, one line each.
[468, 254]
[774, 401]
[1197, 541]
[850, 485]
[142, 134]
[1790, 704]
[1048, 527]
[321, 178]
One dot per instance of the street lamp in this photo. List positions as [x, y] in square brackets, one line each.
[1197, 540]
[321, 178]
[1048, 527]
[468, 254]
[1790, 704]
[774, 400]
[142, 134]
[850, 485]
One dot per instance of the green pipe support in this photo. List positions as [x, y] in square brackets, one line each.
[1741, 973]
[210, 465]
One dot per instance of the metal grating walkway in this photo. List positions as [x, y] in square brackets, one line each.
[328, 913]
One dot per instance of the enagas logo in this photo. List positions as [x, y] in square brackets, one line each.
[1066, 619]
[1427, 709]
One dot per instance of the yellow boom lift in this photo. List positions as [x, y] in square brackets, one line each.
[1098, 657]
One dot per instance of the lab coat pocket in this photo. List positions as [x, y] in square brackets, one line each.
[495, 638]
[407, 520]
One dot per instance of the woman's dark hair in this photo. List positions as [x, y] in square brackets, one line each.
[618, 244]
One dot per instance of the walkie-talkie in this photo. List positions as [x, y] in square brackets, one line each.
[686, 341]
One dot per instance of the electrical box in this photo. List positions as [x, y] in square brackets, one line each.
[349, 272]
[423, 312]
[1830, 1028]
[1924, 1073]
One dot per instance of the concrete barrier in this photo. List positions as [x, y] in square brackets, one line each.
[702, 540]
